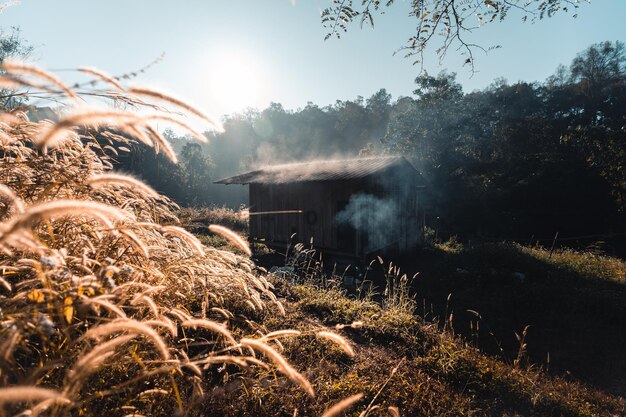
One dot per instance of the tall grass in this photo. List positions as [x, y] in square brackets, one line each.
[236, 220]
[104, 301]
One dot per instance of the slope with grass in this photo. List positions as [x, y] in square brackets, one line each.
[400, 362]
[573, 302]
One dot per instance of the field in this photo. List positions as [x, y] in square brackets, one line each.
[109, 306]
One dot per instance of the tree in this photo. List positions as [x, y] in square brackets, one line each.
[426, 127]
[603, 62]
[594, 75]
[12, 46]
[449, 19]
[501, 162]
[442, 87]
[154, 168]
[198, 169]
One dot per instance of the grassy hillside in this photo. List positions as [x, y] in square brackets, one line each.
[573, 302]
[400, 362]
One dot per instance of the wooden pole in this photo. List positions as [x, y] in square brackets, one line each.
[553, 243]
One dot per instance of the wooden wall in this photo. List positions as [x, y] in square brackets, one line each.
[325, 199]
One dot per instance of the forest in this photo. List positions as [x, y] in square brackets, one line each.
[516, 161]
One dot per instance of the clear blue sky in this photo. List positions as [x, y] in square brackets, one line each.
[225, 55]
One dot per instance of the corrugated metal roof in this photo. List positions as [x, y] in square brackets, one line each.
[326, 170]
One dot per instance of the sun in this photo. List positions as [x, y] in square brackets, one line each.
[235, 81]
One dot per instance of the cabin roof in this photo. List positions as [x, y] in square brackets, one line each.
[325, 170]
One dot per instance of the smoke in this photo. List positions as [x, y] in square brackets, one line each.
[267, 154]
[374, 217]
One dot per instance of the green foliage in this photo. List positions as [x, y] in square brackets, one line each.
[12, 46]
[198, 167]
[522, 159]
[584, 264]
[451, 20]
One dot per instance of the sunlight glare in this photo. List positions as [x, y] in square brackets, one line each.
[234, 81]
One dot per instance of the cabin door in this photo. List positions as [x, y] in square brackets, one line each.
[346, 233]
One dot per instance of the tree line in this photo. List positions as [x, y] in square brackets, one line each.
[510, 160]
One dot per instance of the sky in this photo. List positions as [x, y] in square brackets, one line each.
[226, 55]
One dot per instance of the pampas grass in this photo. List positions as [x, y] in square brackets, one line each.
[9, 196]
[29, 393]
[281, 333]
[210, 325]
[101, 180]
[342, 406]
[334, 337]
[154, 94]
[281, 363]
[157, 140]
[185, 236]
[130, 326]
[185, 126]
[101, 75]
[102, 294]
[155, 391]
[394, 411]
[14, 67]
[104, 304]
[87, 118]
[232, 236]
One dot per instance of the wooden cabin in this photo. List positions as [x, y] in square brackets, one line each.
[353, 208]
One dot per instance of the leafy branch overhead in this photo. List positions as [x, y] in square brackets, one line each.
[450, 20]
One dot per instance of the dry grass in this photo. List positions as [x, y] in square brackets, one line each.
[586, 264]
[198, 219]
[342, 406]
[104, 301]
[236, 220]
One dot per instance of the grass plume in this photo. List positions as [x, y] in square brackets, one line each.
[154, 94]
[29, 393]
[14, 67]
[130, 326]
[100, 180]
[342, 406]
[339, 340]
[232, 236]
[101, 75]
[281, 363]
